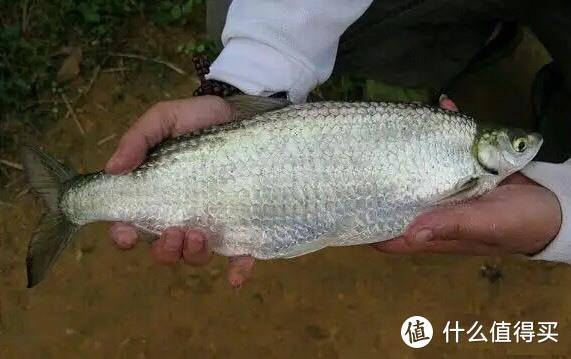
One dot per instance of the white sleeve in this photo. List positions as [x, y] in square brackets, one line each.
[287, 45]
[557, 178]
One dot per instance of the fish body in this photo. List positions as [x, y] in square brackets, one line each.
[358, 171]
[294, 180]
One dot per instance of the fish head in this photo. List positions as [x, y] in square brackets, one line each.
[505, 151]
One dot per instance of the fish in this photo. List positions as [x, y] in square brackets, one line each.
[283, 180]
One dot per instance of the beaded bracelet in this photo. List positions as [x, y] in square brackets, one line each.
[215, 87]
[210, 87]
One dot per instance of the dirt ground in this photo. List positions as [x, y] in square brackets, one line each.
[337, 303]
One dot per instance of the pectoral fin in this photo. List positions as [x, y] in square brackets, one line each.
[466, 189]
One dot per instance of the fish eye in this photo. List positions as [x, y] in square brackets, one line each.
[520, 144]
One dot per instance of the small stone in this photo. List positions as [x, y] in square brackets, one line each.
[70, 68]
[316, 332]
[491, 272]
[214, 273]
[258, 297]
[176, 292]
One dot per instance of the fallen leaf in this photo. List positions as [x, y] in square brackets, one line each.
[69, 69]
[64, 50]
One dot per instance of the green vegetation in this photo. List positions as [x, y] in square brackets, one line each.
[199, 47]
[31, 31]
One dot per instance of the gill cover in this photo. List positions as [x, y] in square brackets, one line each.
[506, 151]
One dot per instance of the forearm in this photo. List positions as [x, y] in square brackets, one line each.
[287, 45]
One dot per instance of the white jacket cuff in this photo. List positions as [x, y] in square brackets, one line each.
[557, 178]
[258, 69]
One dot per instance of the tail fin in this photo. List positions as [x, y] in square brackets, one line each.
[46, 176]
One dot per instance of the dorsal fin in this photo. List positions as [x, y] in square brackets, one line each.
[247, 106]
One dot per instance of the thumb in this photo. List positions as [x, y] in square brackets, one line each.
[485, 220]
[463, 222]
[162, 121]
[517, 218]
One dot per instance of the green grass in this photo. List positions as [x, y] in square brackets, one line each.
[31, 31]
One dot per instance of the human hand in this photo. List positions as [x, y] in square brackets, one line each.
[165, 120]
[518, 217]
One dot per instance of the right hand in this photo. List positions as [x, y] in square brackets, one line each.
[165, 120]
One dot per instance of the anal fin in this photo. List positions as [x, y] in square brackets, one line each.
[309, 247]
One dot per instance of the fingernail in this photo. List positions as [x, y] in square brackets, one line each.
[195, 243]
[236, 287]
[422, 236]
[236, 283]
[442, 97]
[112, 163]
[126, 238]
[172, 243]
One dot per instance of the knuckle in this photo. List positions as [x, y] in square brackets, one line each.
[161, 111]
[195, 235]
[220, 102]
[196, 259]
[220, 106]
[126, 139]
[159, 108]
[454, 231]
[457, 228]
[459, 219]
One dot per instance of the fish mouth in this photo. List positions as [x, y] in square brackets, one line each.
[536, 137]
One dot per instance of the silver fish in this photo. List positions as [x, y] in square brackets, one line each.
[285, 182]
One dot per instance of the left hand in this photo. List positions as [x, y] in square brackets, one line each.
[166, 120]
[518, 217]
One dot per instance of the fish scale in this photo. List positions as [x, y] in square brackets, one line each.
[265, 186]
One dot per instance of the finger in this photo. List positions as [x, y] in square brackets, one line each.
[447, 104]
[395, 245]
[458, 247]
[240, 270]
[518, 178]
[168, 248]
[404, 245]
[195, 250]
[164, 120]
[468, 222]
[513, 217]
[123, 235]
